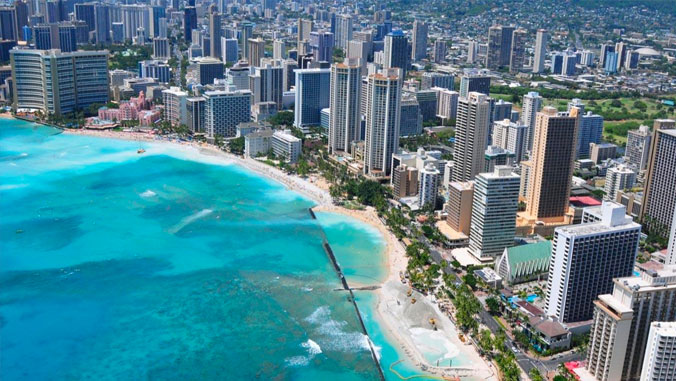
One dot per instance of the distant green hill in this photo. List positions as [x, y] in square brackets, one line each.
[668, 6]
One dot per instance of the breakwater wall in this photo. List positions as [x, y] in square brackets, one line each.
[346, 287]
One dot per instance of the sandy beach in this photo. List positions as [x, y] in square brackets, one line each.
[406, 323]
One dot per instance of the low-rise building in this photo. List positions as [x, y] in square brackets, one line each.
[286, 146]
[257, 143]
[523, 263]
[547, 334]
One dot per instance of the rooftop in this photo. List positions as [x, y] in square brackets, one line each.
[584, 201]
[518, 255]
[547, 327]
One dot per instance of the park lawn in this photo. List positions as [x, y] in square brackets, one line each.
[619, 139]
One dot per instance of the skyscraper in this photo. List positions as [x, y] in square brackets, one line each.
[419, 40]
[255, 51]
[541, 40]
[175, 111]
[396, 52]
[496, 199]
[637, 150]
[224, 110]
[60, 36]
[659, 198]
[428, 185]
[470, 137]
[499, 46]
[215, 32]
[510, 136]
[531, 105]
[8, 27]
[209, 69]
[266, 84]
[278, 50]
[518, 50]
[659, 362]
[472, 51]
[343, 31]
[86, 13]
[161, 48]
[312, 95]
[439, 51]
[474, 83]
[383, 95]
[447, 103]
[82, 79]
[459, 206]
[304, 30]
[345, 120]
[410, 117]
[155, 13]
[102, 16]
[605, 49]
[619, 339]
[434, 79]
[586, 258]
[557, 63]
[611, 63]
[553, 157]
[246, 33]
[618, 178]
[189, 22]
[621, 50]
[321, 43]
[589, 131]
[136, 16]
[195, 114]
[229, 50]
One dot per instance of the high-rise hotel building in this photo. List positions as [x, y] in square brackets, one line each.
[59, 83]
[224, 110]
[541, 39]
[585, 259]
[493, 223]
[659, 363]
[345, 119]
[659, 198]
[552, 160]
[473, 119]
[383, 96]
[621, 338]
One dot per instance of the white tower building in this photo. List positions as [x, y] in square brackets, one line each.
[494, 207]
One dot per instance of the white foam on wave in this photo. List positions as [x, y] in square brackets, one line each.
[148, 193]
[5, 187]
[337, 339]
[297, 361]
[190, 219]
[313, 349]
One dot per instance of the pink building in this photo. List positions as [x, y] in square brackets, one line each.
[148, 117]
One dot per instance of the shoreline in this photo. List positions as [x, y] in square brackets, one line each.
[315, 188]
[294, 183]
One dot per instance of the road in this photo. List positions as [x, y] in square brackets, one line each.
[525, 362]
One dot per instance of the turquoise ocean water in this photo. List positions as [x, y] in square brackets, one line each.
[167, 265]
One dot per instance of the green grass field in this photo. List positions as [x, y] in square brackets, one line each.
[620, 115]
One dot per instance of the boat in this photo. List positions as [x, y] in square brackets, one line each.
[140, 151]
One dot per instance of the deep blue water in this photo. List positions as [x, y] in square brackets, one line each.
[166, 265]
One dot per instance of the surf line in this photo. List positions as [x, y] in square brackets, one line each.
[346, 287]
